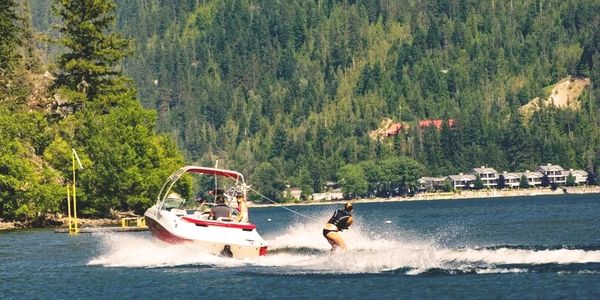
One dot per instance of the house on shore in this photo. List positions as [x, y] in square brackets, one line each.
[327, 196]
[462, 181]
[580, 176]
[513, 179]
[489, 176]
[295, 193]
[555, 173]
[431, 183]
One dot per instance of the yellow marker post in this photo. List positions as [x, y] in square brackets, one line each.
[73, 226]
[69, 221]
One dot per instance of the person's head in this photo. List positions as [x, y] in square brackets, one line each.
[220, 199]
[348, 207]
[239, 197]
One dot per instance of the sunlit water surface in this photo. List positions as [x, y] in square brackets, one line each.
[527, 247]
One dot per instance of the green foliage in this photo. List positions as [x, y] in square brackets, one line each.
[288, 92]
[353, 181]
[125, 161]
[307, 91]
[266, 179]
[523, 182]
[89, 65]
[570, 180]
[478, 183]
[395, 175]
[28, 185]
[447, 186]
[10, 33]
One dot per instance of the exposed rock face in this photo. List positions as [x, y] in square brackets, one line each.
[565, 94]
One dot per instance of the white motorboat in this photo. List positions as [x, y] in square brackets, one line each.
[177, 220]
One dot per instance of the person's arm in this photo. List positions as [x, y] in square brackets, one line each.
[350, 221]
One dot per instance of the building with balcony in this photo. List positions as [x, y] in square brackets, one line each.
[462, 181]
[489, 176]
[555, 173]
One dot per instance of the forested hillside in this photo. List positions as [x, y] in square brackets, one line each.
[290, 89]
[82, 102]
[287, 92]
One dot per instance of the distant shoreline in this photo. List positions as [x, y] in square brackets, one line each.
[419, 197]
[455, 196]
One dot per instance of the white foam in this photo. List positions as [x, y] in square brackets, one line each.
[123, 250]
[301, 248]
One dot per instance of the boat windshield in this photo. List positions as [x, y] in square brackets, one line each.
[173, 201]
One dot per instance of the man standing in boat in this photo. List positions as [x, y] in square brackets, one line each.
[341, 219]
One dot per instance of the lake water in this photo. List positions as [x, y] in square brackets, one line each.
[529, 247]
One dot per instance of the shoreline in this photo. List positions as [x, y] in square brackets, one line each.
[60, 220]
[459, 195]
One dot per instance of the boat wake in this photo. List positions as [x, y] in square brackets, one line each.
[300, 249]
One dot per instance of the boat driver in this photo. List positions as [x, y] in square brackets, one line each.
[341, 220]
[221, 210]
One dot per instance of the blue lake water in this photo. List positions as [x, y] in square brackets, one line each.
[541, 247]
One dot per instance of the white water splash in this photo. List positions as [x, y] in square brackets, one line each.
[302, 249]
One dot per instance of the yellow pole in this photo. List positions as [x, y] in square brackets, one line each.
[69, 206]
[74, 195]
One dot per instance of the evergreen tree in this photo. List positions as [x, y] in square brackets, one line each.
[478, 183]
[88, 68]
[570, 180]
[501, 182]
[523, 182]
[128, 160]
[9, 43]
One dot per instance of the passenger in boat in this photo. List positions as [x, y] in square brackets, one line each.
[221, 210]
[341, 220]
[242, 208]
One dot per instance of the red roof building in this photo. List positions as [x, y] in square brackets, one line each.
[437, 123]
[393, 130]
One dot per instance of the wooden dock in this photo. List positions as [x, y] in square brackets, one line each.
[103, 229]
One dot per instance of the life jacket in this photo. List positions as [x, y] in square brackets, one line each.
[340, 219]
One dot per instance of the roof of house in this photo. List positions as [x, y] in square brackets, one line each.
[393, 129]
[550, 167]
[432, 179]
[484, 170]
[576, 172]
[533, 174]
[461, 177]
[512, 175]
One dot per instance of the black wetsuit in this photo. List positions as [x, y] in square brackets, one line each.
[339, 219]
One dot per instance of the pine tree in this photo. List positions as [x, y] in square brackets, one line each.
[10, 36]
[88, 68]
[113, 131]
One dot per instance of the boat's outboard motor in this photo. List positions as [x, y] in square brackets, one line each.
[226, 252]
